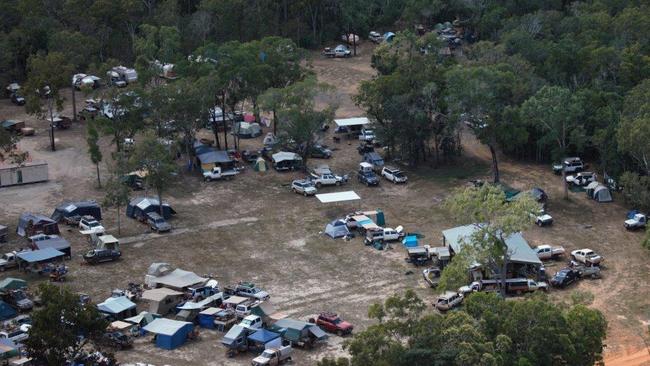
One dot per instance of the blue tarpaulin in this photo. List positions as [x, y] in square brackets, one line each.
[263, 336]
[6, 311]
[410, 241]
[40, 255]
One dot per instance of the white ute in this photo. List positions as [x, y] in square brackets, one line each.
[639, 221]
[549, 252]
[273, 356]
[216, 174]
[586, 256]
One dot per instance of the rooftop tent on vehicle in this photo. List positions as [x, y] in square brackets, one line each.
[602, 194]
[30, 224]
[80, 208]
[337, 229]
[139, 206]
[6, 311]
[260, 165]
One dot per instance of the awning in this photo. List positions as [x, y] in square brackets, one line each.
[179, 278]
[338, 197]
[317, 332]
[234, 333]
[40, 255]
[359, 121]
[235, 300]
[263, 336]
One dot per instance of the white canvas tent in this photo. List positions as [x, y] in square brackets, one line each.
[248, 130]
[337, 229]
[346, 122]
[602, 194]
[338, 197]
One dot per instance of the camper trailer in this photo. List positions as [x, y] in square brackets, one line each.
[121, 76]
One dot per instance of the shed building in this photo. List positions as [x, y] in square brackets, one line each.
[170, 334]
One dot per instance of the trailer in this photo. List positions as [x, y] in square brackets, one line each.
[30, 172]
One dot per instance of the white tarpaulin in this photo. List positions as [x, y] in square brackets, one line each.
[338, 197]
[359, 121]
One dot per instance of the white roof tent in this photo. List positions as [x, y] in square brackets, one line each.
[338, 197]
[359, 121]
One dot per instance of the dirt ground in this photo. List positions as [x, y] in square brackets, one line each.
[254, 228]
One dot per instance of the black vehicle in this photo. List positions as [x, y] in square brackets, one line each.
[250, 156]
[565, 277]
[157, 223]
[117, 340]
[368, 178]
[365, 147]
[320, 151]
[17, 99]
[102, 255]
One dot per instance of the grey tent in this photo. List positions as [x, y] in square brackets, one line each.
[140, 206]
[602, 194]
[248, 130]
[80, 208]
[590, 189]
[337, 229]
[55, 242]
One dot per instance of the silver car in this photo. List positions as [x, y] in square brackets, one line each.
[304, 187]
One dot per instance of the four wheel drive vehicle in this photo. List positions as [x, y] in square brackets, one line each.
[367, 135]
[587, 271]
[565, 277]
[482, 285]
[581, 179]
[251, 322]
[327, 179]
[157, 223]
[586, 256]
[17, 99]
[320, 151]
[521, 285]
[117, 340]
[338, 51]
[331, 322]
[639, 221]
[418, 256]
[216, 173]
[448, 300]
[570, 165]
[19, 300]
[243, 310]
[375, 37]
[432, 276]
[8, 260]
[247, 289]
[61, 122]
[542, 218]
[549, 252]
[273, 356]
[89, 223]
[304, 187]
[365, 147]
[16, 335]
[375, 160]
[385, 234]
[367, 177]
[394, 175]
[102, 255]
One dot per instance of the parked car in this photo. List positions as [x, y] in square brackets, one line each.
[365, 147]
[89, 223]
[17, 335]
[367, 135]
[375, 37]
[521, 285]
[327, 179]
[320, 151]
[101, 255]
[17, 99]
[117, 340]
[304, 187]
[19, 300]
[564, 277]
[251, 322]
[8, 261]
[570, 165]
[383, 234]
[247, 289]
[375, 160]
[586, 271]
[549, 252]
[367, 177]
[586, 256]
[542, 218]
[394, 175]
[448, 301]
[581, 179]
[157, 223]
[331, 322]
[639, 221]
[216, 174]
[273, 356]
[340, 51]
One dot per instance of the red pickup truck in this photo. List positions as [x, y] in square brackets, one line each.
[331, 322]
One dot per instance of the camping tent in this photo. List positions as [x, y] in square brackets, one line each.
[117, 307]
[602, 194]
[590, 189]
[162, 300]
[388, 36]
[11, 283]
[179, 279]
[248, 130]
[80, 208]
[6, 311]
[142, 319]
[30, 224]
[159, 269]
[269, 139]
[337, 229]
[266, 338]
[140, 206]
[260, 165]
[170, 334]
[284, 160]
